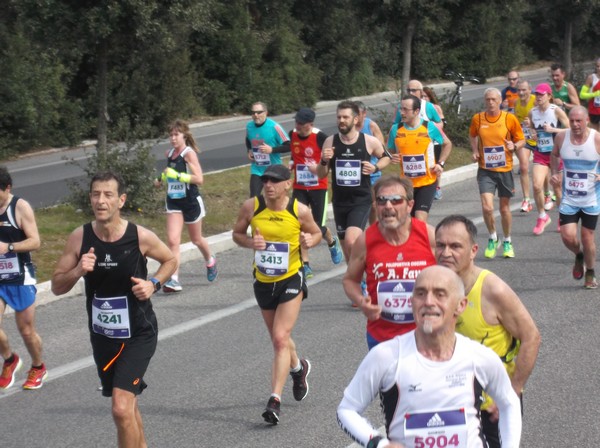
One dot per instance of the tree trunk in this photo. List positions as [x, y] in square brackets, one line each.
[407, 38]
[102, 129]
[568, 46]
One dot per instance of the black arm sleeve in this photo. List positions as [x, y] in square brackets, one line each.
[282, 148]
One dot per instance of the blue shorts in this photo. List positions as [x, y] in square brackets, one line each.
[18, 297]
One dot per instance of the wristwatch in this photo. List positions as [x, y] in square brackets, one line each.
[11, 247]
[156, 283]
[441, 163]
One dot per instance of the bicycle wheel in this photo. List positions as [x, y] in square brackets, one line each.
[455, 102]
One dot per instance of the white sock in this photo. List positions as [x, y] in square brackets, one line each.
[297, 368]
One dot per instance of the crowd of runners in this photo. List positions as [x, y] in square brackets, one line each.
[450, 345]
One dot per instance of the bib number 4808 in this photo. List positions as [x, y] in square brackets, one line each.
[440, 441]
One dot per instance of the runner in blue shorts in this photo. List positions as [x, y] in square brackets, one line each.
[18, 237]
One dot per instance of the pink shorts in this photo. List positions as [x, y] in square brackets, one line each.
[543, 158]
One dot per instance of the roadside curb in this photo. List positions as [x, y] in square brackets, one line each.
[220, 243]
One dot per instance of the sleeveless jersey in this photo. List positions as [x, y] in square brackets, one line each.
[562, 93]
[472, 325]
[522, 112]
[306, 152]
[427, 403]
[545, 140]
[581, 165]
[281, 230]
[417, 157]
[270, 133]
[15, 268]
[493, 155]
[349, 186]
[176, 189]
[111, 304]
[391, 274]
[594, 103]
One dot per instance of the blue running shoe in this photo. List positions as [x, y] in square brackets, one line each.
[336, 251]
[211, 271]
[172, 286]
[308, 273]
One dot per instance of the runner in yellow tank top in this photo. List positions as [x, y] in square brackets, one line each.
[523, 105]
[279, 227]
[494, 316]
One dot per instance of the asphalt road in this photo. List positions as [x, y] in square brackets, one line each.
[209, 380]
[43, 179]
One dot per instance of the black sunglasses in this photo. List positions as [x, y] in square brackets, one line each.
[273, 180]
[257, 112]
[395, 200]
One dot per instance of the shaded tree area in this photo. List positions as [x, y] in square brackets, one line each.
[122, 69]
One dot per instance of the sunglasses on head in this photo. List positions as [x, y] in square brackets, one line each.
[395, 199]
[266, 179]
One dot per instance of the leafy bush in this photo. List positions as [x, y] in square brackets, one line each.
[135, 164]
[457, 126]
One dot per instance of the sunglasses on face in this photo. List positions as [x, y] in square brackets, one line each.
[413, 90]
[257, 112]
[512, 79]
[395, 200]
[266, 179]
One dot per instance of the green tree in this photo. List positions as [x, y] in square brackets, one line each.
[35, 110]
[487, 38]
[566, 31]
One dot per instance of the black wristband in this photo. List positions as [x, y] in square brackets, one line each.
[374, 442]
[376, 169]
[324, 162]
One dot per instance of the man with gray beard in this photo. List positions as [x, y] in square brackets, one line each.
[392, 252]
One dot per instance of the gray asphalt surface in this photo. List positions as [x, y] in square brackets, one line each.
[210, 378]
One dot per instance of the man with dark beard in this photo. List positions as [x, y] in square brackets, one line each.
[392, 252]
[348, 155]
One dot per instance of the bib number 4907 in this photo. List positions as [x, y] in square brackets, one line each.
[440, 441]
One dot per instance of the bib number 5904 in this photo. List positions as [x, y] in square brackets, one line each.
[440, 441]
